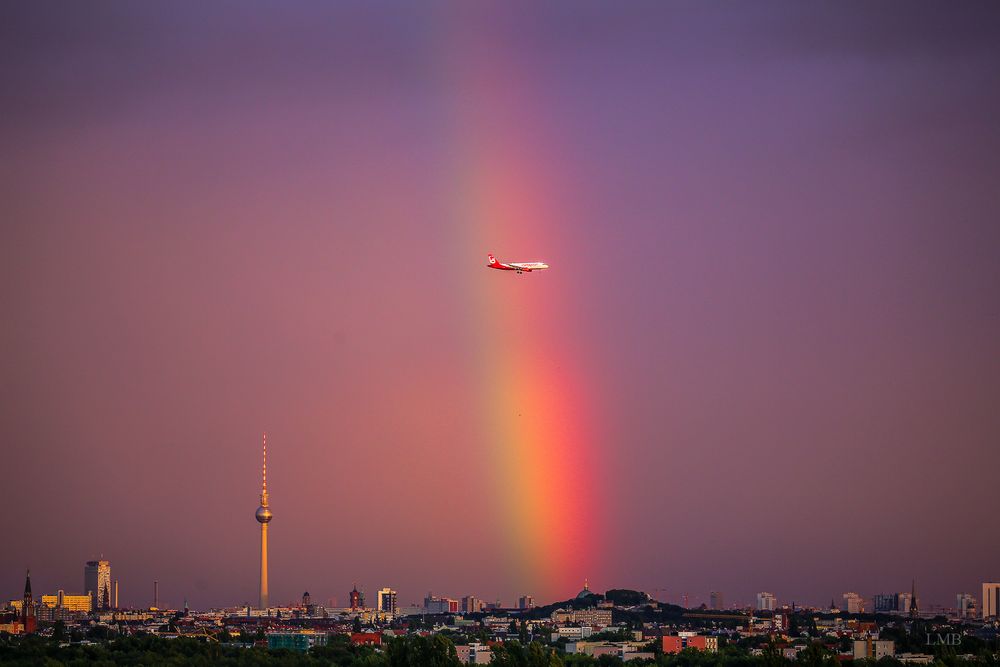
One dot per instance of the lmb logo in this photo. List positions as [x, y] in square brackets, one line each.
[950, 639]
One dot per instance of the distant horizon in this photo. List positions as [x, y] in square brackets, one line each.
[695, 600]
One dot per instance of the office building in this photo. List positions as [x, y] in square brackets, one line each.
[386, 601]
[471, 604]
[854, 603]
[965, 605]
[715, 600]
[766, 601]
[991, 600]
[438, 605]
[525, 602]
[97, 583]
[78, 603]
[886, 603]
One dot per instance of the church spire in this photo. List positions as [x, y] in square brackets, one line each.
[28, 619]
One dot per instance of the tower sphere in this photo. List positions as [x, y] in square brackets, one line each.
[263, 514]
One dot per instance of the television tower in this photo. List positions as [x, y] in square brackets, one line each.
[263, 516]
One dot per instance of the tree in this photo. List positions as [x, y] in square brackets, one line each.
[515, 654]
[626, 598]
[541, 656]
[816, 655]
[417, 651]
[357, 624]
[59, 631]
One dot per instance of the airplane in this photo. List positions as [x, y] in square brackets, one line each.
[516, 266]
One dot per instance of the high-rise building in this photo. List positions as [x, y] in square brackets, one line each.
[97, 583]
[904, 602]
[263, 516]
[715, 600]
[357, 599]
[471, 604]
[914, 603]
[991, 599]
[525, 602]
[965, 604]
[387, 601]
[766, 601]
[854, 603]
[886, 602]
[28, 620]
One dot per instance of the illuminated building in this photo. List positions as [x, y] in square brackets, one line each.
[97, 583]
[525, 602]
[854, 603]
[263, 517]
[60, 600]
[438, 605]
[991, 600]
[387, 601]
[591, 617]
[873, 649]
[682, 640]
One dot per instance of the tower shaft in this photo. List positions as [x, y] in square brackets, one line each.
[263, 567]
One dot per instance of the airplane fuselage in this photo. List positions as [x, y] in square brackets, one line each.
[519, 267]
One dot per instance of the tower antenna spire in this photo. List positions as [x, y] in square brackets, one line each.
[263, 470]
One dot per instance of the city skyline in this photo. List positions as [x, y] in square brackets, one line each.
[853, 603]
[765, 356]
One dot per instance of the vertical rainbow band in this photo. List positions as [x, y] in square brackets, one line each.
[535, 413]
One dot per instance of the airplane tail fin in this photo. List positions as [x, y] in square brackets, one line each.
[493, 260]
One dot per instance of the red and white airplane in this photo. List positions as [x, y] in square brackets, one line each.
[517, 266]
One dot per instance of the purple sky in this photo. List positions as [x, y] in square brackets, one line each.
[775, 238]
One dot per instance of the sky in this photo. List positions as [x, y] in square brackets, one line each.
[766, 355]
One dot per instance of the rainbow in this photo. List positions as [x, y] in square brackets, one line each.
[535, 411]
